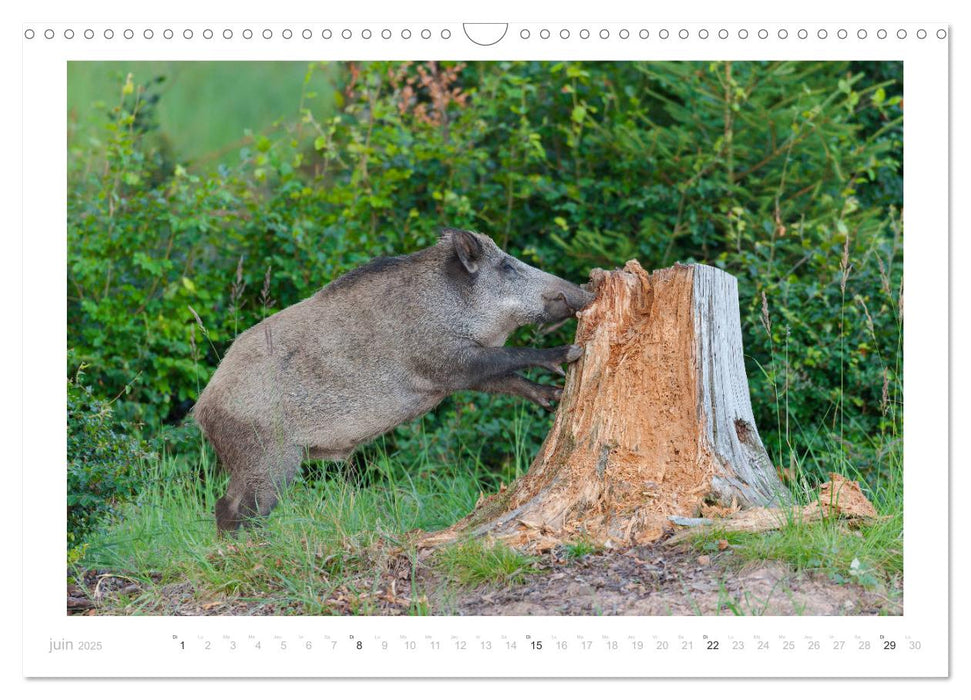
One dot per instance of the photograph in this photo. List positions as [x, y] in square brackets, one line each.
[485, 338]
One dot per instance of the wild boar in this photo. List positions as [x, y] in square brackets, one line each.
[379, 346]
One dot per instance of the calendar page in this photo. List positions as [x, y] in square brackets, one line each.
[442, 348]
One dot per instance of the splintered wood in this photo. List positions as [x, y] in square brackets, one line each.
[837, 498]
[655, 420]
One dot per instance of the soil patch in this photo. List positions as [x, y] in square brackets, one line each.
[646, 580]
[663, 581]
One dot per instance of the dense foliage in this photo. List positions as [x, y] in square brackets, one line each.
[788, 175]
[104, 457]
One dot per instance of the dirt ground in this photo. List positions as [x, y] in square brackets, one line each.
[658, 580]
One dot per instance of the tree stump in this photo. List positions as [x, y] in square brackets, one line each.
[655, 420]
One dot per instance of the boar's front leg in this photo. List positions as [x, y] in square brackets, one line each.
[517, 385]
[479, 365]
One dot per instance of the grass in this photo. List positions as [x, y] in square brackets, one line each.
[871, 555]
[866, 556]
[334, 544]
[325, 549]
[476, 562]
[580, 548]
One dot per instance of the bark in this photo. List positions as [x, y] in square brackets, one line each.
[655, 420]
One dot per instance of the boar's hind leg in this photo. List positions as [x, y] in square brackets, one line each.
[258, 473]
[227, 509]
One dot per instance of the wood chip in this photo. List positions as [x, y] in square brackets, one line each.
[839, 497]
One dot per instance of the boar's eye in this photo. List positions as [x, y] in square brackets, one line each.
[507, 266]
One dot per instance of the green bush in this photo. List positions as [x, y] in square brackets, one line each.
[785, 174]
[103, 460]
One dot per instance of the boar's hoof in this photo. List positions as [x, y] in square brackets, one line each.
[549, 396]
[227, 518]
[562, 355]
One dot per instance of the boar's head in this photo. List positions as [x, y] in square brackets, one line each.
[503, 293]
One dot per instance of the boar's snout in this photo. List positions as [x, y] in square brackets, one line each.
[564, 301]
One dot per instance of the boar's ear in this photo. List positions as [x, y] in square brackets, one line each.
[468, 248]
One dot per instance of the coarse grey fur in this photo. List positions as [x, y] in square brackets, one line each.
[376, 347]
